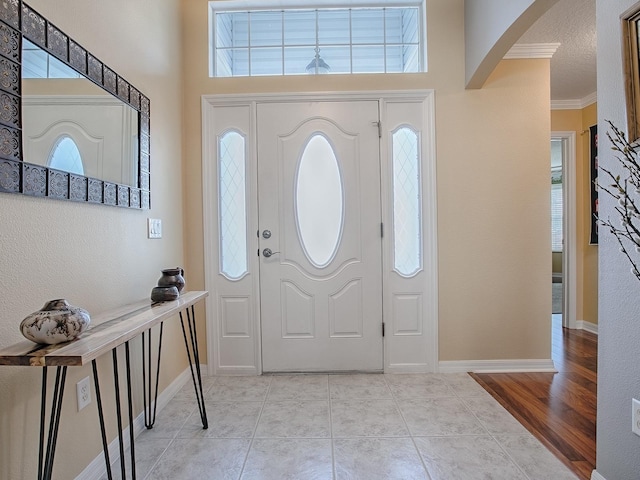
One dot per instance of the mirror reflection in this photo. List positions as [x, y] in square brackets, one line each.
[71, 124]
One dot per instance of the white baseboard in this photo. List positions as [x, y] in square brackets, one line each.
[497, 366]
[97, 469]
[587, 326]
[596, 476]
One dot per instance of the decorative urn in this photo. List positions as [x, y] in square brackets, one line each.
[56, 322]
[172, 277]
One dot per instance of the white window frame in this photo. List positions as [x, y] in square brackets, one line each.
[241, 5]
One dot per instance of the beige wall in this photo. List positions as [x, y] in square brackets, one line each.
[579, 121]
[494, 231]
[95, 256]
[493, 176]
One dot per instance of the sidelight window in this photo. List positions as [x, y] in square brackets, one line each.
[232, 205]
[407, 199]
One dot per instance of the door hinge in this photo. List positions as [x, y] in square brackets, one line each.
[381, 230]
[379, 129]
[383, 329]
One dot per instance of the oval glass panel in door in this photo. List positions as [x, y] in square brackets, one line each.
[319, 201]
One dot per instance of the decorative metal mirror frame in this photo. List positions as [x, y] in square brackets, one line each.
[18, 20]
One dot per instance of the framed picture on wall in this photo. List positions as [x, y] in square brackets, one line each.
[631, 57]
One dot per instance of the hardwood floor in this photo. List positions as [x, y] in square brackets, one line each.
[558, 408]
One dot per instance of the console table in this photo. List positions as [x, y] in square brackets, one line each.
[107, 332]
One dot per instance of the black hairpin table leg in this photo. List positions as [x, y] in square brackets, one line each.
[103, 432]
[132, 433]
[45, 459]
[195, 375]
[149, 406]
[116, 380]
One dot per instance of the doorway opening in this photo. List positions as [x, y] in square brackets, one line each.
[563, 229]
[557, 216]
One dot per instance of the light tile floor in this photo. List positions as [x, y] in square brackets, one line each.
[364, 426]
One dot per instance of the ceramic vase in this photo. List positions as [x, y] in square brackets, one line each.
[172, 277]
[164, 294]
[56, 322]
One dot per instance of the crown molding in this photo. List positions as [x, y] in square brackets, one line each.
[531, 50]
[576, 104]
[590, 99]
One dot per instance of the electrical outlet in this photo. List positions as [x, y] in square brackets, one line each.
[635, 416]
[83, 390]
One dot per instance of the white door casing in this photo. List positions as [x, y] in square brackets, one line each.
[321, 301]
[410, 305]
[569, 255]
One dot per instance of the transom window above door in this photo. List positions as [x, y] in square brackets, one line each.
[286, 38]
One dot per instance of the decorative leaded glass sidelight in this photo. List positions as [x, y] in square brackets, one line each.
[232, 205]
[407, 231]
[319, 201]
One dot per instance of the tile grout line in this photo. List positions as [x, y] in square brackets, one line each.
[173, 439]
[255, 429]
[491, 435]
[511, 458]
[413, 440]
[171, 442]
[158, 459]
[333, 452]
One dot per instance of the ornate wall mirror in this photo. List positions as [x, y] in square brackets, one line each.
[70, 127]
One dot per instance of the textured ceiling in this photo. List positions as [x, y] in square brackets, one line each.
[572, 23]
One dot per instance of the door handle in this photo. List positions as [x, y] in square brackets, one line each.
[267, 252]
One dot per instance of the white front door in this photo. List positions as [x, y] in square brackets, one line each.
[314, 170]
[319, 213]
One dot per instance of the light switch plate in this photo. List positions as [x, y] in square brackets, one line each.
[635, 416]
[154, 227]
